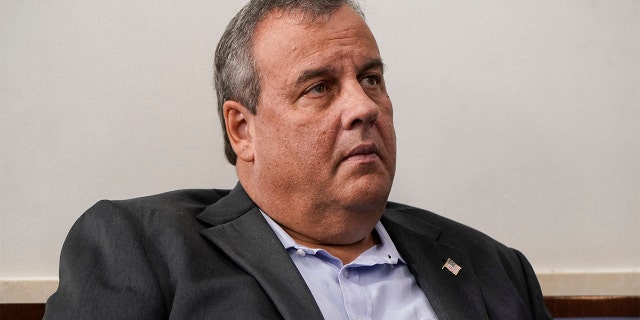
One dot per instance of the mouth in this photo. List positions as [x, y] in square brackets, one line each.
[363, 153]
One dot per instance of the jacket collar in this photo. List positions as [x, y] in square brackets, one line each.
[451, 296]
[239, 229]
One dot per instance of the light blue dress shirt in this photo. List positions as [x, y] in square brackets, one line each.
[376, 285]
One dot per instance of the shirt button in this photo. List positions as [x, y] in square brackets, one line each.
[301, 252]
[346, 273]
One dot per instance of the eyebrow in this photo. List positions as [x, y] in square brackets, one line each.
[313, 73]
[373, 64]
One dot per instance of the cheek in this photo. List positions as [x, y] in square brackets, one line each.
[298, 136]
[388, 135]
[291, 141]
[315, 140]
[385, 124]
[270, 141]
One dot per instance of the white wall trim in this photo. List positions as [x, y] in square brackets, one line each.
[553, 284]
[27, 290]
[568, 284]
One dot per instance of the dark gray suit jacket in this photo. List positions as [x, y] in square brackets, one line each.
[209, 254]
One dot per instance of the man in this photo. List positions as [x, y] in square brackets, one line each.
[308, 232]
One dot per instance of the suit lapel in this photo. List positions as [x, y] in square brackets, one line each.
[239, 230]
[454, 297]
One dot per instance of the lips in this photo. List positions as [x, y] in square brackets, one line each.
[363, 152]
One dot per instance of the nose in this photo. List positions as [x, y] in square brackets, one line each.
[358, 109]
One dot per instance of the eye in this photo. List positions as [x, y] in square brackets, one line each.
[370, 81]
[318, 89]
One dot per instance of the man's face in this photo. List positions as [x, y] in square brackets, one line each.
[323, 133]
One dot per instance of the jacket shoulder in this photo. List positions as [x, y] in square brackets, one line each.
[496, 266]
[178, 202]
[150, 214]
[486, 252]
[175, 199]
[444, 229]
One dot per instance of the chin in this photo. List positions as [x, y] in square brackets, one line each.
[371, 194]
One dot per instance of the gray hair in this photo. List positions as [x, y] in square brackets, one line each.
[235, 74]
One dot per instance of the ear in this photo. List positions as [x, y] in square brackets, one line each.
[239, 126]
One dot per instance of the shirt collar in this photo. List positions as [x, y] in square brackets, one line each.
[384, 252]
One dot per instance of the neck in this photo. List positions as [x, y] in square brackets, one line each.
[342, 229]
[345, 252]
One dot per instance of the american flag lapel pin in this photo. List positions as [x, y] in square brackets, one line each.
[452, 266]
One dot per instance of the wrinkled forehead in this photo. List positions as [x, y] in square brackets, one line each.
[286, 48]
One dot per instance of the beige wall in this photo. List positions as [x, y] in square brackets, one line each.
[520, 118]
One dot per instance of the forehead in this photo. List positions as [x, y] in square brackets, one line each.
[285, 40]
